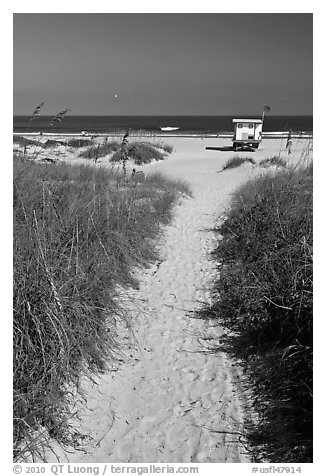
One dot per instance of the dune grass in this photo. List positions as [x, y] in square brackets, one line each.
[77, 143]
[161, 145]
[100, 150]
[139, 152]
[263, 298]
[237, 161]
[25, 141]
[50, 143]
[276, 161]
[79, 233]
[143, 152]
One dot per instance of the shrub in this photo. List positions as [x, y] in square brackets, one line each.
[236, 161]
[264, 300]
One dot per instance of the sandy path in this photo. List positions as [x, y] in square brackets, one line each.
[173, 400]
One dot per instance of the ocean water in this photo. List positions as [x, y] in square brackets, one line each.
[186, 124]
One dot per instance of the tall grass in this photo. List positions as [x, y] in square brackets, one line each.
[77, 235]
[264, 300]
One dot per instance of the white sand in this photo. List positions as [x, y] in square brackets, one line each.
[173, 400]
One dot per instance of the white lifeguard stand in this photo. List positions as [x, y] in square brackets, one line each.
[247, 133]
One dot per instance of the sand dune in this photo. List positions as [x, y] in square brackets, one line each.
[173, 400]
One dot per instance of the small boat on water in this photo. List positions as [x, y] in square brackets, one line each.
[168, 129]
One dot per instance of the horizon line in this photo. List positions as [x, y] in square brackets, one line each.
[168, 115]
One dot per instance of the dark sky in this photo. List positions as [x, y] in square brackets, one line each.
[215, 63]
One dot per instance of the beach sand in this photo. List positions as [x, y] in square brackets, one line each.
[173, 399]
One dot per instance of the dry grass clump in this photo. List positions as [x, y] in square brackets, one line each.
[77, 235]
[237, 161]
[174, 186]
[264, 300]
[50, 143]
[141, 153]
[25, 141]
[77, 143]
[166, 147]
[273, 161]
[100, 150]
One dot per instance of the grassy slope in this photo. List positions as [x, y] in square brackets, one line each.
[264, 300]
[143, 152]
[78, 233]
[139, 152]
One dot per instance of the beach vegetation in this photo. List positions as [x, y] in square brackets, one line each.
[50, 143]
[273, 161]
[80, 232]
[141, 153]
[161, 145]
[25, 141]
[237, 161]
[100, 150]
[78, 143]
[264, 300]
